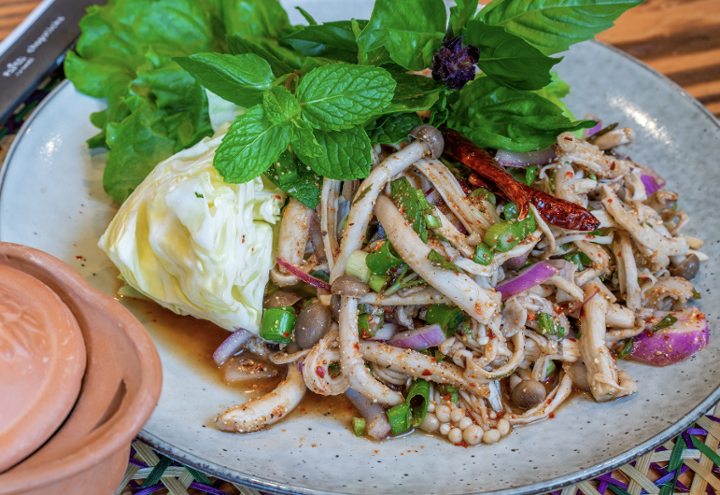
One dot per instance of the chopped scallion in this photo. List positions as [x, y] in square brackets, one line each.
[483, 254]
[399, 418]
[277, 325]
[546, 324]
[359, 427]
[432, 222]
[357, 266]
[378, 282]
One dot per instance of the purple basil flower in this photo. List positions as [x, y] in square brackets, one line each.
[454, 64]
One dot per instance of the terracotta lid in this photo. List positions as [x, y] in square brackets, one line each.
[42, 363]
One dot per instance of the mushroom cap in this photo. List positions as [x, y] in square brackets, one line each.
[688, 269]
[349, 286]
[528, 393]
[311, 325]
[431, 137]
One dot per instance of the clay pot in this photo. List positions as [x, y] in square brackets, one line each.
[88, 454]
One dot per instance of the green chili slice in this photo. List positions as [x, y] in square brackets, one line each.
[666, 322]
[502, 236]
[626, 349]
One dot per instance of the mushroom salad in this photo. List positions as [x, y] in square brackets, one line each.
[401, 209]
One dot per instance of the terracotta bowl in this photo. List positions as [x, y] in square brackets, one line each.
[88, 454]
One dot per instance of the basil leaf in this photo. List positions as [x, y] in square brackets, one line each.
[334, 40]
[335, 97]
[347, 154]
[411, 31]
[413, 93]
[303, 140]
[509, 59]
[556, 90]
[250, 146]
[496, 117]
[255, 18]
[460, 14]
[295, 179]
[280, 105]
[394, 128]
[241, 79]
[553, 25]
[237, 45]
[306, 15]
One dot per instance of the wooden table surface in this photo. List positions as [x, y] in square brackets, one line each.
[680, 38]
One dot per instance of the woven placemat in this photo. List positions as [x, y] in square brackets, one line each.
[688, 464]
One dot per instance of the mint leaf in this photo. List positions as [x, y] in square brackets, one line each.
[306, 15]
[460, 14]
[411, 31]
[250, 146]
[509, 59]
[335, 97]
[295, 179]
[237, 45]
[413, 93]
[334, 40]
[496, 117]
[394, 128]
[553, 25]
[346, 154]
[241, 79]
[280, 105]
[255, 18]
[303, 140]
[406, 198]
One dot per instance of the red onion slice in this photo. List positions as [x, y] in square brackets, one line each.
[527, 159]
[651, 180]
[517, 262]
[687, 336]
[308, 279]
[421, 338]
[527, 278]
[589, 132]
[231, 345]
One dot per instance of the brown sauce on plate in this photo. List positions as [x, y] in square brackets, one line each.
[194, 341]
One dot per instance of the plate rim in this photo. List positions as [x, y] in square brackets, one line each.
[284, 488]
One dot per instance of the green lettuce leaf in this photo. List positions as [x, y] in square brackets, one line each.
[552, 26]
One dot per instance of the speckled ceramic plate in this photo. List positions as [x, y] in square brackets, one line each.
[52, 199]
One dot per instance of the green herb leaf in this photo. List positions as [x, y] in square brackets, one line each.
[411, 31]
[295, 179]
[666, 322]
[280, 105]
[336, 97]
[696, 294]
[241, 79]
[237, 45]
[198, 195]
[303, 140]
[441, 261]
[250, 146]
[394, 128]
[496, 117]
[406, 199]
[346, 154]
[460, 14]
[334, 40]
[626, 349]
[307, 16]
[553, 25]
[255, 18]
[555, 91]
[509, 59]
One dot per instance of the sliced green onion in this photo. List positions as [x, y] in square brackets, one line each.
[432, 222]
[484, 194]
[334, 368]
[668, 321]
[378, 282]
[546, 324]
[592, 176]
[383, 260]
[357, 267]
[418, 399]
[359, 427]
[448, 317]
[527, 226]
[369, 324]
[483, 254]
[501, 237]
[399, 418]
[277, 324]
